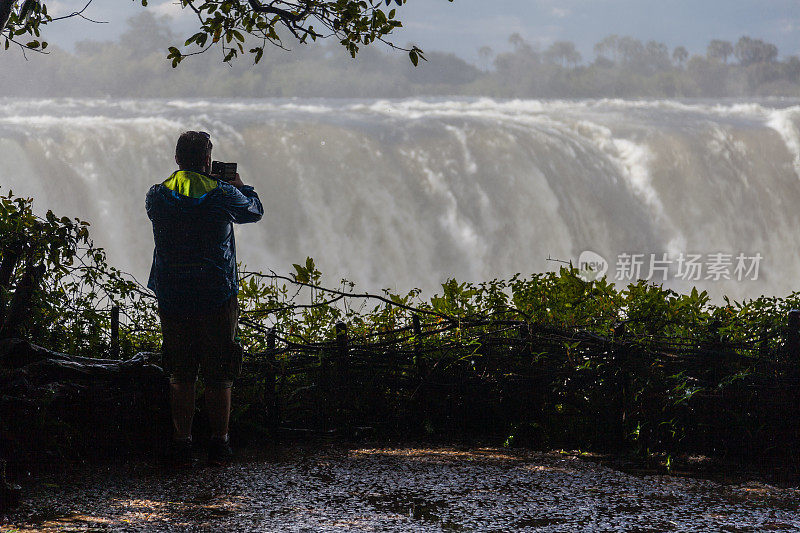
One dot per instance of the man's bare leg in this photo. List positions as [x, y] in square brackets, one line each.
[218, 403]
[182, 404]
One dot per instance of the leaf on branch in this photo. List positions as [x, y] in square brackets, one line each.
[258, 52]
[352, 22]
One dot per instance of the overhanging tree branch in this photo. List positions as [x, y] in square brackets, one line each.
[286, 15]
[230, 24]
[81, 15]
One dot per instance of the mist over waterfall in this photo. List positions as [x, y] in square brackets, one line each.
[406, 193]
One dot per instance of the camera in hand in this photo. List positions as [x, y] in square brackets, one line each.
[223, 171]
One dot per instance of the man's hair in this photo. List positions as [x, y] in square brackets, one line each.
[192, 150]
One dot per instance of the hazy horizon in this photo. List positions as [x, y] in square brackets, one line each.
[462, 27]
[134, 65]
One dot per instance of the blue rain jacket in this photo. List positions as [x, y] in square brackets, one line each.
[194, 261]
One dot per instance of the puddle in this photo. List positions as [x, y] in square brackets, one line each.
[539, 522]
[414, 507]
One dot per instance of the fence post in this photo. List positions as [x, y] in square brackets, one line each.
[341, 349]
[271, 396]
[342, 368]
[325, 389]
[793, 334]
[623, 373]
[417, 329]
[420, 395]
[115, 332]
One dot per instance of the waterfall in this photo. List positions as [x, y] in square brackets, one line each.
[406, 193]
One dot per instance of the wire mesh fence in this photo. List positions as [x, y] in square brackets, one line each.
[499, 374]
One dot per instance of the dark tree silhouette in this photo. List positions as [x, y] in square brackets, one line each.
[608, 46]
[750, 51]
[486, 54]
[719, 50]
[563, 53]
[657, 56]
[680, 55]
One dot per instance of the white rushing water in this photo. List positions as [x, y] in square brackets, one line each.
[405, 193]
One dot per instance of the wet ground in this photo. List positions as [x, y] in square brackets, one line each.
[341, 488]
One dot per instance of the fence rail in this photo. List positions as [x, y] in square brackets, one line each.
[503, 376]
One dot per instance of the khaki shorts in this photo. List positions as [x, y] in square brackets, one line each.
[205, 340]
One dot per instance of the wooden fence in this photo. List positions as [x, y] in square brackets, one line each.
[528, 384]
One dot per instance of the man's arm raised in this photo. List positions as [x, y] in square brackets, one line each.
[242, 202]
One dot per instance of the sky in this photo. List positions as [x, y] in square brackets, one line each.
[463, 26]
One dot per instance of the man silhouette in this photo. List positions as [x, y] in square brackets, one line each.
[195, 279]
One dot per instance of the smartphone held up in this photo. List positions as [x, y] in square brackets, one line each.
[223, 171]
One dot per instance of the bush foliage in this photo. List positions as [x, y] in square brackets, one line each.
[546, 359]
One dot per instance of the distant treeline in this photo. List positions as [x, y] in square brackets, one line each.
[135, 66]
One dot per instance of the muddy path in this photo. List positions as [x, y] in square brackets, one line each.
[355, 488]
